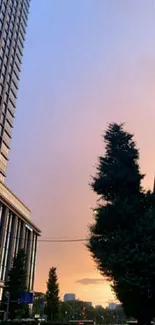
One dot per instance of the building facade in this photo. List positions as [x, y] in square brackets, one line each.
[16, 232]
[13, 22]
[69, 296]
[112, 305]
[16, 228]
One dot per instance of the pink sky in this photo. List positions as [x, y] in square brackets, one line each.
[86, 63]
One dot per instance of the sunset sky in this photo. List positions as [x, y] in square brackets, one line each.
[86, 63]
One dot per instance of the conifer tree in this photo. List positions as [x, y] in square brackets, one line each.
[122, 238]
[52, 296]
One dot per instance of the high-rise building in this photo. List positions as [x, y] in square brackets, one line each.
[13, 22]
[16, 228]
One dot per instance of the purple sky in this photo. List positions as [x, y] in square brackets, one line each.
[86, 63]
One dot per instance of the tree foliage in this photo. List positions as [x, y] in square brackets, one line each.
[122, 238]
[16, 284]
[38, 303]
[74, 310]
[52, 296]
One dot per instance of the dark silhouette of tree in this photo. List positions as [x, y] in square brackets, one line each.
[122, 238]
[73, 310]
[16, 284]
[52, 296]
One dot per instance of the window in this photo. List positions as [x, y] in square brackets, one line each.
[2, 178]
[8, 232]
[2, 119]
[4, 247]
[1, 129]
[6, 139]
[1, 25]
[18, 237]
[4, 68]
[4, 149]
[33, 257]
[5, 60]
[14, 89]
[9, 118]
[4, 109]
[1, 89]
[3, 160]
[8, 128]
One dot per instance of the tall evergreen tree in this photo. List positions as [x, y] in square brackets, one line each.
[16, 284]
[122, 238]
[52, 296]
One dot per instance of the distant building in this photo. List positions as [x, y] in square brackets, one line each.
[98, 306]
[119, 306]
[89, 303]
[69, 297]
[112, 305]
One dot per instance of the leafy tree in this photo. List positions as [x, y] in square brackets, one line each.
[16, 284]
[38, 303]
[122, 238]
[52, 296]
[66, 311]
[101, 315]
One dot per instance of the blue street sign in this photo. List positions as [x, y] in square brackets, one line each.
[26, 298]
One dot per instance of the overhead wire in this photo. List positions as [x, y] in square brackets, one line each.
[62, 240]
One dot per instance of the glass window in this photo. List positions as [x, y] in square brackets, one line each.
[18, 236]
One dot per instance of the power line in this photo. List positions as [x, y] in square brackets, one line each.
[62, 240]
[52, 240]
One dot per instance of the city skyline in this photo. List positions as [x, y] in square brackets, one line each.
[89, 63]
